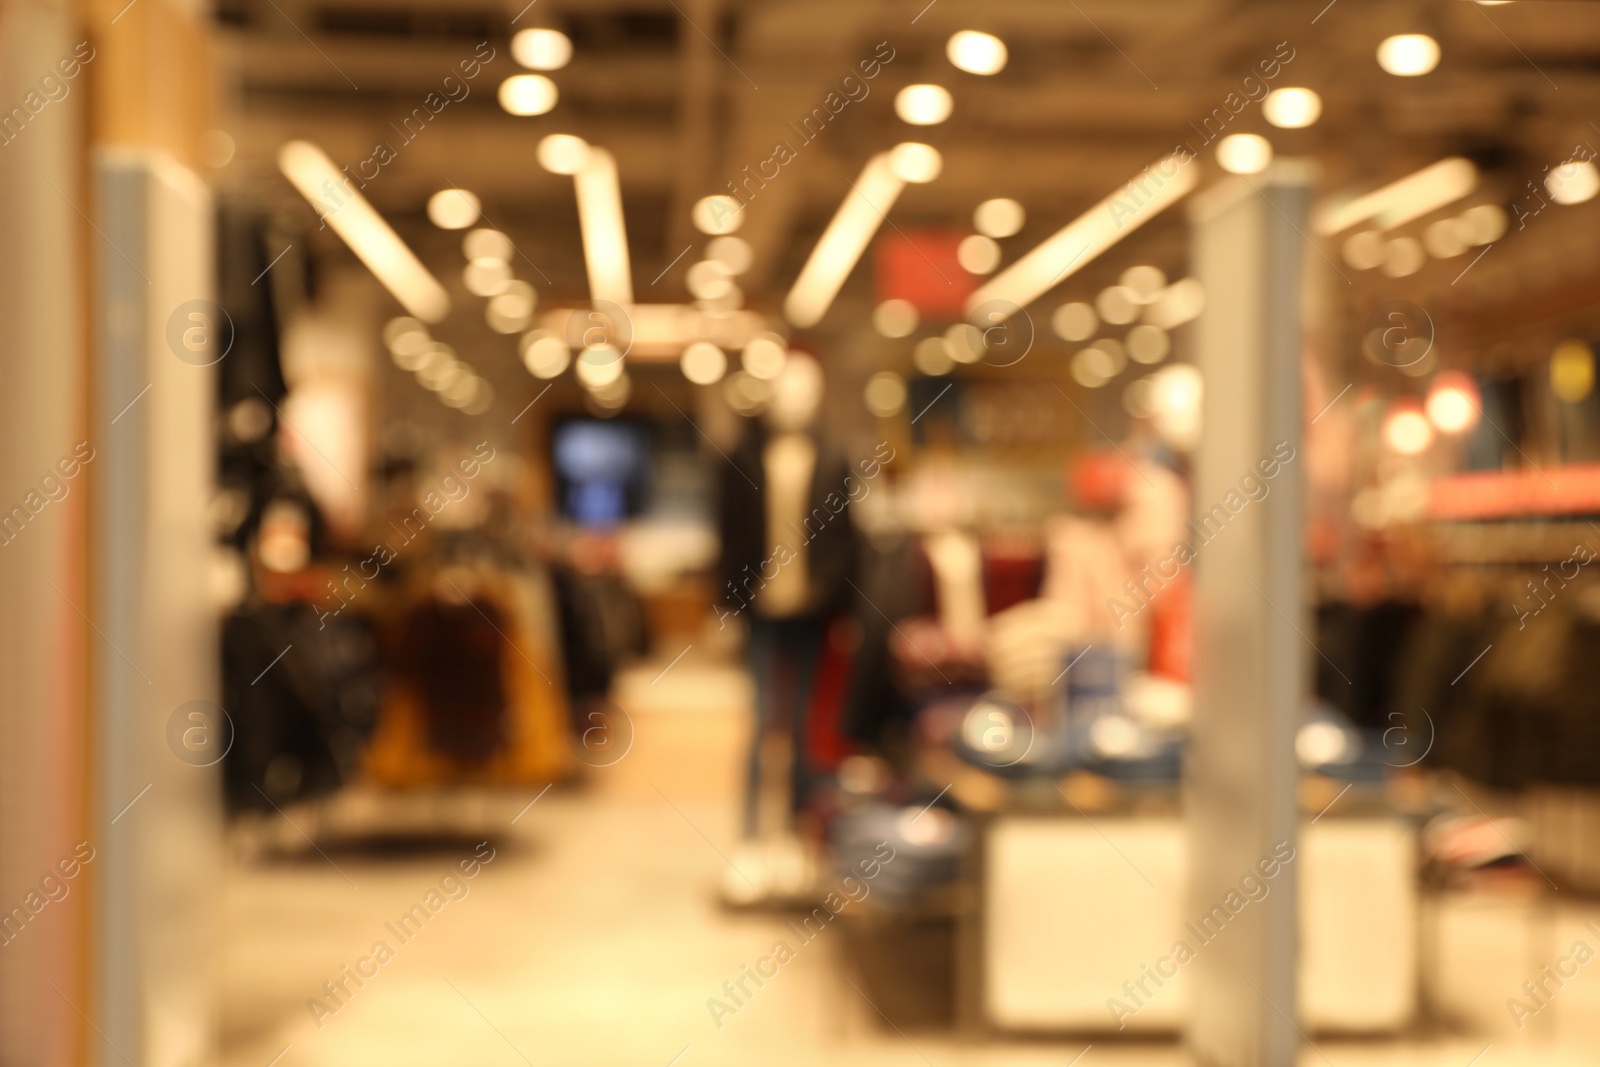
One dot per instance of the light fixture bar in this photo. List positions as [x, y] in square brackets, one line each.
[842, 243]
[1077, 244]
[355, 220]
[605, 235]
[1399, 202]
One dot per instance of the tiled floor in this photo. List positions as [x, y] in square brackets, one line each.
[593, 937]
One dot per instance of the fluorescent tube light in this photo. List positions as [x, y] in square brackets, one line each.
[1077, 244]
[350, 216]
[605, 236]
[841, 244]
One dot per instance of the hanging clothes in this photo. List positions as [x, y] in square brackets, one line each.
[476, 696]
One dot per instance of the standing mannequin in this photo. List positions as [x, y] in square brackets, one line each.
[787, 556]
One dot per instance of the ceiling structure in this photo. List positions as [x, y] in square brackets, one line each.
[686, 93]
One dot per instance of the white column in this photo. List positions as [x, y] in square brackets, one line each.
[1250, 676]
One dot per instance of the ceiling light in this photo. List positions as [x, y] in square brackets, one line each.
[404, 335]
[528, 94]
[895, 318]
[1081, 241]
[717, 214]
[976, 53]
[605, 236]
[1452, 403]
[1406, 429]
[1075, 322]
[915, 162]
[1403, 256]
[562, 153]
[453, 209]
[730, 299]
[511, 310]
[1364, 250]
[1145, 281]
[1399, 202]
[978, 254]
[612, 396]
[1092, 367]
[1573, 182]
[1482, 225]
[486, 277]
[764, 357]
[885, 394]
[462, 391]
[1176, 398]
[1244, 153]
[703, 363]
[1001, 217]
[487, 244]
[373, 241]
[541, 49]
[1408, 54]
[732, 252]
[1292, 108]
[747, 395]
[1178, 303]
[923, 105]
[708, 280]
[1148, 344]
[1117, 305]
[841, 244]
[1443, 239]
[931, 358]
[544, 354]
[599, 366]
[1572, 371]
[963, 342]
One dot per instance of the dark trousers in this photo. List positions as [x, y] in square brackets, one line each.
[783, 656]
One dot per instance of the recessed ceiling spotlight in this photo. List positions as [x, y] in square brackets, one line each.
[1408, 54]
[912, 161]
[717, 214]
[563, 153]
[1453, 402]
[895, 318]
[885, 394]
[1443, 239]
[544, 354]
[1406, 429]
[976, 53]
[978, 254]
[923, 105]
[708, 280]
[931, 357]
[703, 363]
[1145, 281]
[453, 209]
[1403, 256]
[1000, 217]
[1117, 305]
[528, 94]
[487, 277]
[1363, 250]
[541, 49]
[732, 252]
[1573, 182]
[484, 243]
[1292, 108]
[1244, 153]
[1075, 321]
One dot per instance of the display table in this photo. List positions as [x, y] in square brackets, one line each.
[1071, 907]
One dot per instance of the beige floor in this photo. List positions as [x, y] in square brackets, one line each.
[593, 937]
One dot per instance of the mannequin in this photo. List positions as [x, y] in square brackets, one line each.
[787, 557]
